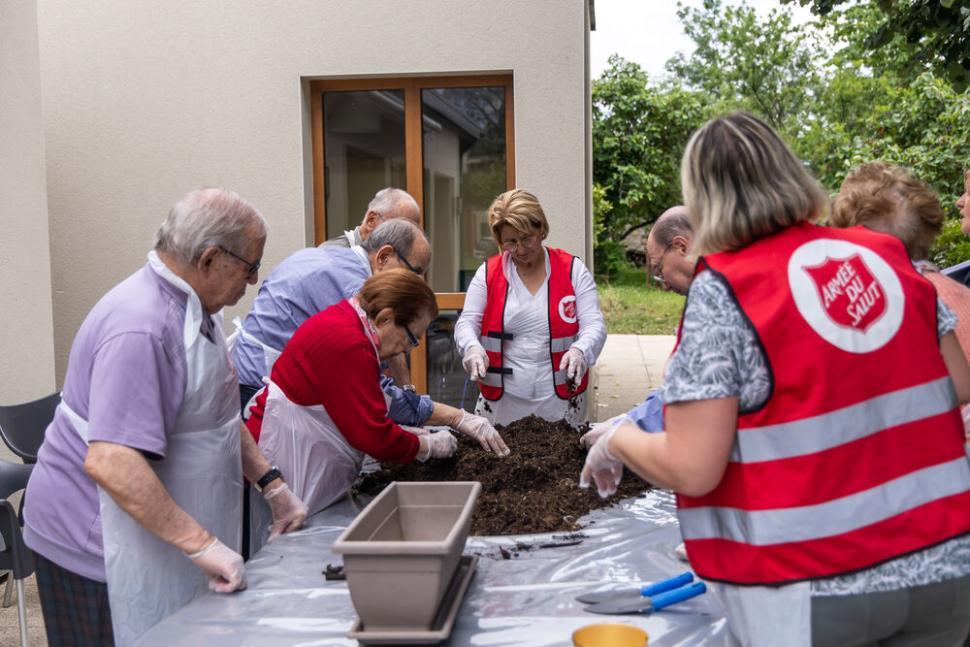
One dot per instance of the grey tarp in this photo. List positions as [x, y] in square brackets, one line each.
[526, 599]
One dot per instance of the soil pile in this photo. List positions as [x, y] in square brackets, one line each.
[534, 489]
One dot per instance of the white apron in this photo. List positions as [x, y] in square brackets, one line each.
[270, 354]
[148, 578]
[510, 408]
[317, 461]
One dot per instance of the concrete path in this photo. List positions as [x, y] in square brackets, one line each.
[628, 367]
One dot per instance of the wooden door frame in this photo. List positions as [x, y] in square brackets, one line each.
[413, 156]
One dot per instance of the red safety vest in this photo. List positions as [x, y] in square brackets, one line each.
[857, 456]
[563, 323]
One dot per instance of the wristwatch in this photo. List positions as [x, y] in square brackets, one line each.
[408, 387]
[267, 478]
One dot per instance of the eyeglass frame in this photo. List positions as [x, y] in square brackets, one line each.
[525, 242]
[411, 338]
[406, 263]
[658, 272]
[251, 268]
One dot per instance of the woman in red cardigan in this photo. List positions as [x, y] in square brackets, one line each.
[323, 409]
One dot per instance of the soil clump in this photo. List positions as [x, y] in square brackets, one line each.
[534, 489]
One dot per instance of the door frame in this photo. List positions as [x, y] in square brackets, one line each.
[413, 156]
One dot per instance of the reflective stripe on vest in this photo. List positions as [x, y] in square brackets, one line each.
[818, 433]
[766, 527]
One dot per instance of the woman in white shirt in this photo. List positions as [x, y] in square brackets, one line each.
[531, 326]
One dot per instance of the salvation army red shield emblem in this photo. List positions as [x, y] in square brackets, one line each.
[567, 309]
[849, 292]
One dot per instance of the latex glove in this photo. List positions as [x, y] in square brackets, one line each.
[482, 430]
[223, 566]
[417, 431]
[475, 362]
[602, 467]
[574, 365]
[440, 444]
[289, 512]
[597, 429]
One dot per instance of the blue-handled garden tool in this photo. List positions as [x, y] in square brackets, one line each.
[646, 591]
[644, 605]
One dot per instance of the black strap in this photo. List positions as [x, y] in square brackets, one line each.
[499, 369]
[495, 334]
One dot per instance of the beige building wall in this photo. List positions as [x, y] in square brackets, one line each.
[26, 327]
[145, 101]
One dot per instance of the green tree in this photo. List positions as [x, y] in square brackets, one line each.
[639, 133]
[766, 66]
[934, 33]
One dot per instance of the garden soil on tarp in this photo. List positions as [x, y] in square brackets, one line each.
[532, 490]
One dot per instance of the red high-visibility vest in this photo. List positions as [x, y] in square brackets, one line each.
[857, 456]
[563, 323]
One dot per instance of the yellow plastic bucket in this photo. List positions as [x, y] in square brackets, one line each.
[610, 634]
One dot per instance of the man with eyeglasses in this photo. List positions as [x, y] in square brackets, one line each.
[667, 253]
[134, 502]
[388, 203]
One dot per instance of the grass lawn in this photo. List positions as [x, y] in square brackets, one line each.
[631, 306]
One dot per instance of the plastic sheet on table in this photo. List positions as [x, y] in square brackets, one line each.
[522, 593]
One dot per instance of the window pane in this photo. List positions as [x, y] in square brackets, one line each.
[364, 150]
[447, 380]
[463, 130]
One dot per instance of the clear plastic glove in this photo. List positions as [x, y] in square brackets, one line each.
[475, 362]
[573, 363]
[440, 444]
[482, 430]
[223, 566]
[602, 467]
[597, 429]
[289, 512]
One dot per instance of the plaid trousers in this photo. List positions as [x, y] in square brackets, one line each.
[76, 610]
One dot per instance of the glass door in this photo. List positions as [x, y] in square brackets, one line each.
[449, 142]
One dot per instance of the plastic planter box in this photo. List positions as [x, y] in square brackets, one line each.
[402, 550]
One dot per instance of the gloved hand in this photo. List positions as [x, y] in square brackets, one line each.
[475, 362]
[223, 566]
[574, 365]
[440, 444]
[289, 512]
[597, 429]
[417, 431]
[604, 468]
[482, 430]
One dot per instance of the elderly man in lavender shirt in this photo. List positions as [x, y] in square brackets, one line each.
[133, 506]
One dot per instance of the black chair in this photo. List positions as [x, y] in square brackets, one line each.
[22, 426]
[15, 557]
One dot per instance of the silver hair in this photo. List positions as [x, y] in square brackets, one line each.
[398, 233]
[673, 222]
[389, 201]
[209, 217]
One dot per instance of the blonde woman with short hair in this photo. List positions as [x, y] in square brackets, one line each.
[812, 428]
[531, 326]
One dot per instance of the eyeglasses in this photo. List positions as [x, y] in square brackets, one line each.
[658, 272]
[416, 270]
[251, 268]
[411, 338]
[525, 242]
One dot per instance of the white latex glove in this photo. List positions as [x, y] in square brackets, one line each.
[597, 429]
[417, 431]
[574, 365]
[224, 567]
[475, 362]
[482, 430]
[289, 512]
[604, 468]
[440, 444]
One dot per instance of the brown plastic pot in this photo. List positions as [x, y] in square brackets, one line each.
[402, 550]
